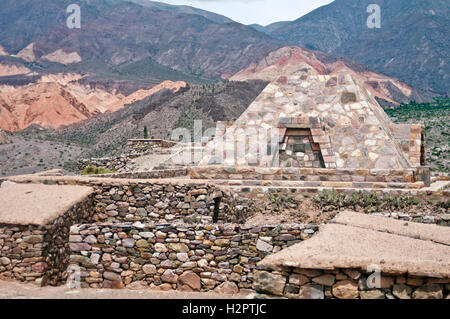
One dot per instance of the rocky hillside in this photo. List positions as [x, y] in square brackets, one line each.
[46, 104]
[217, 18]
[161, 112]
[59, 100]
[119, 36]
[411, 45]
[36, 149]
[126, 50]
[54, 76]
[271, 27]
[4, 138]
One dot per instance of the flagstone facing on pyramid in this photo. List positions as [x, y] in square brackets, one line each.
[334, 111]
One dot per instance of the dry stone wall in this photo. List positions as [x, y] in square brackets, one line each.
[154, 174]
[381, 178]
[183, 257]
[137, 239]
[298, 283]
[134, 148]
[156, 202]
[40, 253]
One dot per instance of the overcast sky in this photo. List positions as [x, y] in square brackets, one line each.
[256, 11]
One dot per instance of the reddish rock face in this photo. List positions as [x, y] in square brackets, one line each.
[53, 103]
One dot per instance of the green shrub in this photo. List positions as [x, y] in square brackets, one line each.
[92, 170]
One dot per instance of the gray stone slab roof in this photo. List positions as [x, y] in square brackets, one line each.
[382, 243]
[399, 227]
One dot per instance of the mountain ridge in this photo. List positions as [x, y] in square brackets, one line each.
[413, 34]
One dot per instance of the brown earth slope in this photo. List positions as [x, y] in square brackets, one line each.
[46, 104]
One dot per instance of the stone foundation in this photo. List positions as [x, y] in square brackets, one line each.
[317, 177]
[154, 174]
[297, 283]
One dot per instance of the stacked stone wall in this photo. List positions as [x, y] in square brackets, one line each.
[154, 174]
[317, 177]
[156, 202]
[134, 148]
[298, 283]
[40, 253]
[183, 257]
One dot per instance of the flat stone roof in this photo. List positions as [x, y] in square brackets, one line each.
[399, 227]
[375, 241]
[38, 204]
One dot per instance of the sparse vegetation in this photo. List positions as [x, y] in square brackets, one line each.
[92, 170]
[145, 131]
[436, 118]
[369, 202]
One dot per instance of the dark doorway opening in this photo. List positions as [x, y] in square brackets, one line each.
[297, 149]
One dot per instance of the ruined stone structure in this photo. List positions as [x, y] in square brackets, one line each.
[188, 227]
[366, 257]
[133, 149]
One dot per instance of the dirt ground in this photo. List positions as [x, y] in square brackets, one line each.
[29, 155]
[305, 213]
[15, 290]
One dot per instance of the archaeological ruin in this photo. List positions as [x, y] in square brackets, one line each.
[310, 193]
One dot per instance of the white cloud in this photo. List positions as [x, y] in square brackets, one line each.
[255, 11]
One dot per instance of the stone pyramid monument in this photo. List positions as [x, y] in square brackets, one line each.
[307, 119]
